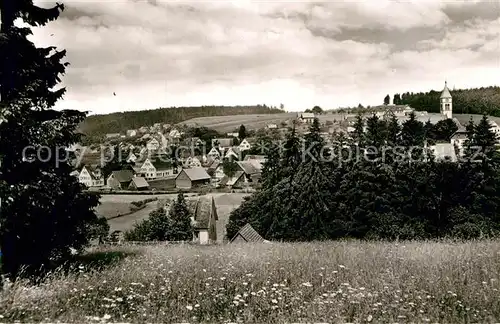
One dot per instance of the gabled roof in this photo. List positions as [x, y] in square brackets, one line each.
[249, 234]
[230, 181]
[248, 167]
[140, 182]
[214, 165]
[307, 115]
[196, 174]
[123, 175]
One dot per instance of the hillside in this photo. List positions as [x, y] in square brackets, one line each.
[119, 122]
[226, 124]
[465, 101]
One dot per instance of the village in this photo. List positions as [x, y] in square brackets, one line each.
[163, 157]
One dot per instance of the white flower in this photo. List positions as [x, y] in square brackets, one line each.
[189, 307]
[274, 301]
[106, 317]
[307, 284]
[369, 318]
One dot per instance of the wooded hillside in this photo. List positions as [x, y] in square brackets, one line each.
[465, 101]
[120, 122]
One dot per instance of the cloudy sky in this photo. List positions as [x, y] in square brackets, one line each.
[333, 53]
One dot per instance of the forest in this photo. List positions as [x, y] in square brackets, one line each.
[120, 122]
[405, 192]
[465, 101]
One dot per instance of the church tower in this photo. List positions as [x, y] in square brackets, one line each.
[446, 102]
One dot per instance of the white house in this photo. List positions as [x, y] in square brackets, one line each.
[233, 134]
[131, 133]
[192, 162]
[90, 178]
[232, 152]
[307, 118]
[131, 158]
[174, 133]
[272, 126]
[244, 145]
[156, 169]
[495, 129]
[163, 140]
[153, 145]
[458, 139]
[214, 153]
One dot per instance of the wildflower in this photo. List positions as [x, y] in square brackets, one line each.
[274, 301]
[189, 307]
[106, 317]
[369, 318]
[341, 266]
[307, 284]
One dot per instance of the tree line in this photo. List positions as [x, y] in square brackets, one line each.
[408, 194]
[465, 101]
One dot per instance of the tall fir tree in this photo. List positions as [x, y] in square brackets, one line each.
[45, 211]
[179, 228]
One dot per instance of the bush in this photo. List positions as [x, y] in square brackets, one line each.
[154, 228]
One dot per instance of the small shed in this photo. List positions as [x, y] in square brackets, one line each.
[247, 234]
[193, 177]
[138, 183]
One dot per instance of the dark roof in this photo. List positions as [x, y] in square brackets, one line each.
[214, 165]
[123, 175]
[162, 165]
[248, 234]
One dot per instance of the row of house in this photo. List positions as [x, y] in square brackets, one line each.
[190, 175]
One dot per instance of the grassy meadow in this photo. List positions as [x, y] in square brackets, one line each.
[334, 282]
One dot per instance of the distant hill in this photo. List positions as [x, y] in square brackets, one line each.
[465, 101]
[97, 125]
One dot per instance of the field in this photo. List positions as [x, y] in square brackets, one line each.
[112, 205]
[227, 124]
[333, 282]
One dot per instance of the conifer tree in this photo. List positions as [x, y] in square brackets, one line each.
[44, 210]
[393, 131]
[359, 135]
[180, 228]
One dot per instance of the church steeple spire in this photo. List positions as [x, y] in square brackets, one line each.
[446, 102]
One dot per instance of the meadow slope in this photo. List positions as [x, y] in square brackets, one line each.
[333, 282]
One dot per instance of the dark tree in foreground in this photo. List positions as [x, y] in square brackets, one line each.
[387, 100]
[242, 132]
[180, 221]
[44, 211]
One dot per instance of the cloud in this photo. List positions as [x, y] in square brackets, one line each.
[154, 53]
